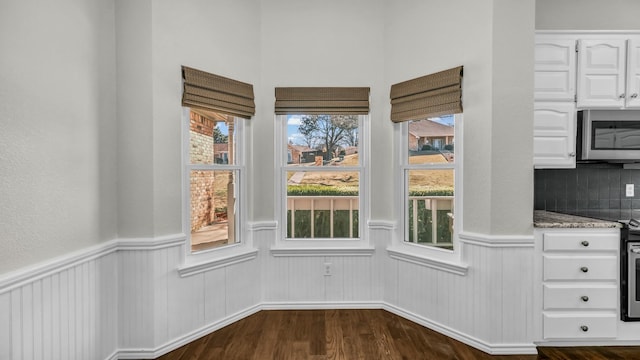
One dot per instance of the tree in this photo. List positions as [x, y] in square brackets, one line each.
[351, 136]
[328, 130]
[219, 137]
[308, 128]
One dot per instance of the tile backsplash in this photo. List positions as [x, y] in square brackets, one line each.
[593, 190]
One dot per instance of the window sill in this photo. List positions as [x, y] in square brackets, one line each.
[403, 254]
[322, 251]
[239, 256]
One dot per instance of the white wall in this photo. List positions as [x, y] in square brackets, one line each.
[319, 43]
[135, 120]
[493, 40]
[512, 120]
[221, 37]
[57, 128]
[587, 15]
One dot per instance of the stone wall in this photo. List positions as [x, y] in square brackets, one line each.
[202, 199]
[201, 139]
[201, 182]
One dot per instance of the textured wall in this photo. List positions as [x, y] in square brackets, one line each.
[587, 15]
[57, 128]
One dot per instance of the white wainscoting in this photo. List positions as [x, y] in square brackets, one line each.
[161, 311]
[65, 309]
[489, 308]
[120, 300]
[125, 299]
[297, 279]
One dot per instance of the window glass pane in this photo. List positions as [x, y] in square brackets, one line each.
[322, 204]
[213, 204]
[211, 139]
[430, 209]
[431, 140]
[322, 140]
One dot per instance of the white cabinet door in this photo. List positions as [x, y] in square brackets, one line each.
[601, 73]
[555, 69]
[554, 135]
[633, 74]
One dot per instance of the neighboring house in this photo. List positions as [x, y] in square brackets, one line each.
[350, 150]
[299, 154]
[429, 132]
[221, 153]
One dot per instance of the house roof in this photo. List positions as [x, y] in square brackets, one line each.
[300, 148]
[428, 128]
[220, 147]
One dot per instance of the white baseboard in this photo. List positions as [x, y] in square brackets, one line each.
[493, 349]
[321, 305]
[185, 339]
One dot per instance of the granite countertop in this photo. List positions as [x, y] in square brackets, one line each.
[548, 219]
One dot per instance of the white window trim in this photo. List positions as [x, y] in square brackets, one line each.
[312, 247]
[434, 257]
[243, 250]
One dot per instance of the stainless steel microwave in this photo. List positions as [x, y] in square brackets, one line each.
[609, 135]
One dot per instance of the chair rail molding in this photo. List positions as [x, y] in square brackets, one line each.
[497, 241]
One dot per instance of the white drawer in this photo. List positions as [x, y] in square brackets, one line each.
[581, 241]
[604, 267]
[580, 297]
[579, 326]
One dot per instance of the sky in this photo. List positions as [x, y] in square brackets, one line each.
[223, 127]
[293, 121]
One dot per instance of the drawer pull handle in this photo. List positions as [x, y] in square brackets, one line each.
[585, 243]
[584, 269]
[584, 298]
[584, 328]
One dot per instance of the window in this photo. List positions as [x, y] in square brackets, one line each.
[215, 109]
[321, 156]
[429, 168]
[214, 171]
[429, 109]
[322, 176]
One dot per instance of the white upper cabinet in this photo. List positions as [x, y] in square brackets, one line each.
[633, 79]
[602, 73]
[554, 134]
[555, 69]
[609, 72]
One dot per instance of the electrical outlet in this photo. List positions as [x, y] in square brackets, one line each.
[327, 269]
[629, 190]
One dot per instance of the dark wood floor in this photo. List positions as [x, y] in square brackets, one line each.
[353, 334]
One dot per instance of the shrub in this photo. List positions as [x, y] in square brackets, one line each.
[431, 192]
[449, 147]
[426, 147]
[321, 190]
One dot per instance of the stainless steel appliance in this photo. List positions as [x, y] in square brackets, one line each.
[609, 135]
[630, 272]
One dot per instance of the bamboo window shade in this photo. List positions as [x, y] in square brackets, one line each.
[209, 92]
[322, 100]
[427, 96]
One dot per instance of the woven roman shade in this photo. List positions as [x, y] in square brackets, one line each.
[427, 96]
[322, 100]
[215, 93]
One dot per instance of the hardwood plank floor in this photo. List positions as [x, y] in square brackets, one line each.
[354, 334]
